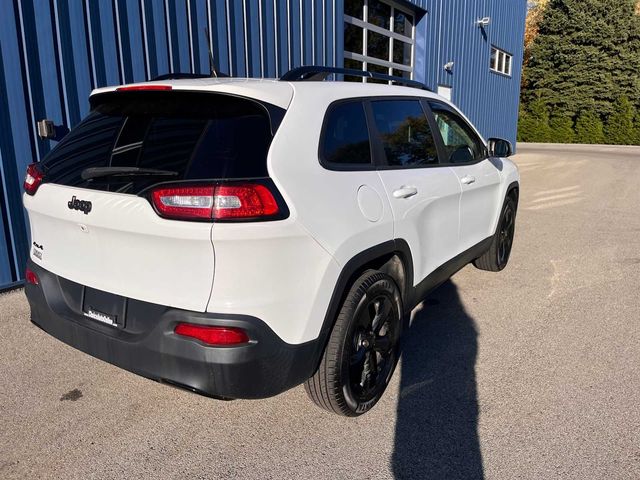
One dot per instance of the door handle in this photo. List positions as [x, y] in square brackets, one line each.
[405, 192]
[468, 180]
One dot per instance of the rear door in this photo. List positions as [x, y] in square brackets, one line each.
[103, 232]
[424, 195]
[479, 178]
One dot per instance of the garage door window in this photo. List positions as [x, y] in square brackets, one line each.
[379, 37]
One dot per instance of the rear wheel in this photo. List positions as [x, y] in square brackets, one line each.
[363, 349]
[497, 256]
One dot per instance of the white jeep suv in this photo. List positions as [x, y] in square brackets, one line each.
[239, 237]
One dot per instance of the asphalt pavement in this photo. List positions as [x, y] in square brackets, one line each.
[527, 374]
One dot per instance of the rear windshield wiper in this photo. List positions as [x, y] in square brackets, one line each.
[100, 172]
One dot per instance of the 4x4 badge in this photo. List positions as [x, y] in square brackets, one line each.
[82, 205]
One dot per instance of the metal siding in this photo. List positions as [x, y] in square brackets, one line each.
[448, 32]
[53, 52]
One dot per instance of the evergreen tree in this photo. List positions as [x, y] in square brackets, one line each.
[585, 50]
[636, 123]
[620, 129]
[589, 128]
[533, 125]
[561, 129]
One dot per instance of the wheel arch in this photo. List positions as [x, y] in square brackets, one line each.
[393, 258]
[513, 191]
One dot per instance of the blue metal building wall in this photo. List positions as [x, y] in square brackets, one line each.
[54, 52]
[448, 32]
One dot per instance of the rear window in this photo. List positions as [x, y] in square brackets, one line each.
[197, 136]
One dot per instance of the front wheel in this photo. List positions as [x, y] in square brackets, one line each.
[497, 256]
[363, 348]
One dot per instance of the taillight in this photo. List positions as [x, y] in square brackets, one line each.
[243, 201]
[33, 179]
[217, 336]
[184, 203]
[238, 201]
[31, 277]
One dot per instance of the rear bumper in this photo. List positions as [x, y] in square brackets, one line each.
[148, 346]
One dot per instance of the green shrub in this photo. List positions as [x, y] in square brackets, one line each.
[589, 128]
[636, 128]
[619, 129]
[533, 125]
[561, 129]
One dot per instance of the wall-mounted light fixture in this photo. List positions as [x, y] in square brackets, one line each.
[448, 67]
[483, 22]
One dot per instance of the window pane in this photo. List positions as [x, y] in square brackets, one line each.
[354, 65]
[377, 45]
[494, 61]
[460, 143]
[198, 136]
[401, 73]
[352, 38]
[402, 23]
[401, 52]
[501, 62]
[405, 133]
[379, 14]
[354, 8]
[346, 138]
[372, 67]
[507, 64]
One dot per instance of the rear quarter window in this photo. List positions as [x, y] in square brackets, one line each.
[345, 136]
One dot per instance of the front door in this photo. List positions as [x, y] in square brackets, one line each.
[424, 195]
[479, 178]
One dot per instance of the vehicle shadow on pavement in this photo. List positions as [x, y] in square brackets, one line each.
[436, 430]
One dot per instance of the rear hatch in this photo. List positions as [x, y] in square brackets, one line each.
[93, 219]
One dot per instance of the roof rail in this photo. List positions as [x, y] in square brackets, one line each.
[314, 73]
[179, 76]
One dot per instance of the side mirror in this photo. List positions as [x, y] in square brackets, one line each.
[500, 148]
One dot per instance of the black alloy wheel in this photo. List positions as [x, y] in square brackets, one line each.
[507, 231]
[363, 348]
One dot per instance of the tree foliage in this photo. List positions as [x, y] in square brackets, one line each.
[583, 63]
[619, 129]
[589, 128]
[533, 125]
[561, 129]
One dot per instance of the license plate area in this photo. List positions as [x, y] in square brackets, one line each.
[104, 307]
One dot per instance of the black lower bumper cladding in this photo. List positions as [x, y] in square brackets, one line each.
[144, 342]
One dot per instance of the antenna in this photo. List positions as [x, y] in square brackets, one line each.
[212, 66]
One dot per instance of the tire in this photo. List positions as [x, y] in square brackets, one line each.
[497, 256]
[363, 349]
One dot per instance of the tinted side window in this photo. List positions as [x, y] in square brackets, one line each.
[346, 137]
[405, 133]
[461, 144]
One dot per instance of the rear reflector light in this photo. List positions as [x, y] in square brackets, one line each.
[31, 277]
[138, 88]
[33, 179]
[241, 201]
[220, 336]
